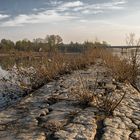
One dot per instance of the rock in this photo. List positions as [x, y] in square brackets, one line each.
[52, 111]
[88, 131]
[53, 125]
[31, 136]
[40, 136]
[109, 87]
[85, 117]
[64, 135]
[113, 122]
[2, 127]
[64, 106]
[135, 135]
[128, 123]
[43, 112]
[115, 134]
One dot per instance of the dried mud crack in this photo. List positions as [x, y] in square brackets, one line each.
[53, 113]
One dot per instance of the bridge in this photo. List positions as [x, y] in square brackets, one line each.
[123, 47]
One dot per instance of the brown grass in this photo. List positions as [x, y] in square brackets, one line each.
[49, 67]
[122, 69]
[105, 102]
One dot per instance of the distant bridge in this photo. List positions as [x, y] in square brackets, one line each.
[123, 47]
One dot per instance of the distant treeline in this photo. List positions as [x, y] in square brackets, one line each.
[49, 43]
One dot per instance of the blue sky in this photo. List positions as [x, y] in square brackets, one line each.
[78, 20]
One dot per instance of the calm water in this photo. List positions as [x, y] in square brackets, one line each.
[8, 62]
[125, 54]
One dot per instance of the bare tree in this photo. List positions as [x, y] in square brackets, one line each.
[134, 58]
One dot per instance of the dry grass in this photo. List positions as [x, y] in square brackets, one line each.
[122, 69]
[50, 67]
[106, 102]
[109, 102]
[81, 92]
[53, 125]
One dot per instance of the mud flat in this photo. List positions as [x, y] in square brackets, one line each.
[53, 113]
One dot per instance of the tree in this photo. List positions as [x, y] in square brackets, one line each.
[23, 45]
[7, 44]
[134, 60]
[53, 41]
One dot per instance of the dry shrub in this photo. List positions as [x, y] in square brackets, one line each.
[122, 69]
[49, 66]
[83, 98]
[81, 92]
[108, 102]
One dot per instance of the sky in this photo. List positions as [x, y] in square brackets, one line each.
[77, 21]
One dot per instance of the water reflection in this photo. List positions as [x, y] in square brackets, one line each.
[8, 62]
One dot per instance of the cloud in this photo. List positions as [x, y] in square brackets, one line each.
[116, 2]
[91, 12]
[72, 4]
[86, 8]
[114, 5]
[63, 11]
[79, 7]
[69, 5]
[47, 16]
[55, 2]
[3, 16]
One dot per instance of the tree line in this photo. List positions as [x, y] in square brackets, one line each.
[49, 43]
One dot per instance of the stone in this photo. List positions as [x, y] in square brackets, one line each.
[64, 135]
[2, 127]
[85, 117]
[110, 86]
[116, 134]
[88, 131]
[43, 112]
[135, 135]
[113, 122]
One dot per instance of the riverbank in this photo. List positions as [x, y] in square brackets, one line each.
[53, 112]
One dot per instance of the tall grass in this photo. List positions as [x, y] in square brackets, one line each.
[47, 67]
[123, 69]
[55, 64]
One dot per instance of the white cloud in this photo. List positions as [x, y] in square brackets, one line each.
[73, 4]
[100, 7]
[47, 16]
[55, 2]
[3, 16]
[86, 8]
[68, 5]
[120, 2]
[62, 11]
[86, 11]
[91, 12]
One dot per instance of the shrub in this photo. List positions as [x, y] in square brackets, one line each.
[81, 92]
